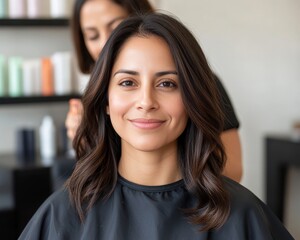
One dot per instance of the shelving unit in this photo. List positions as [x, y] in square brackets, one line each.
[36, 99]
[30, 185]
[35, 22]
[27, 187]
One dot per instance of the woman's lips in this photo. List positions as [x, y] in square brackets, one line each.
[146, 123]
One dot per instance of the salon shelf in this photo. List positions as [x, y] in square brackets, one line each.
[34, 22]
[27, 186]
[36, 99]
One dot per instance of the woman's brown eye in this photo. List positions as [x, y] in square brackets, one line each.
[167, 84]
[127, 83]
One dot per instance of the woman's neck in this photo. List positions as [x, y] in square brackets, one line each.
[150, 168]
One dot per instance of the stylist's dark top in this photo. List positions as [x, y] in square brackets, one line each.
[230, 121]
[136, 212]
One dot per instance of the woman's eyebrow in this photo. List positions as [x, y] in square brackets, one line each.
[126, 71]
[162, 73]
[158, 74]
[92, 28]
[111, 22]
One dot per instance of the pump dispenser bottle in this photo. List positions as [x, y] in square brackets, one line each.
[47, 140]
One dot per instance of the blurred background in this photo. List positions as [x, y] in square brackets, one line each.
[253, 46]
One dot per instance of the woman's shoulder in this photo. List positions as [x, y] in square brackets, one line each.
[58, 197]
[243, 200]
[53, 218]
[250, 215]
[57, 202]
[239, 193]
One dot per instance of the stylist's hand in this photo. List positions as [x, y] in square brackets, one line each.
[73, 117]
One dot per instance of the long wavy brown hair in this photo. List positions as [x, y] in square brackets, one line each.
[200, 151]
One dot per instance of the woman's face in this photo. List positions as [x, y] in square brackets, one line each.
[97, 20]
[145, 103]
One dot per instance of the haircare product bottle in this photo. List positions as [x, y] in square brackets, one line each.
[3, 8]
[47, 77]
[26, 145]
[29, 76]
[47, 140]
[32, 77]
[15, 76]
[62, 72]
[37, 66]
[34, 8]
[3, 76]
[17, 8]
[59, 8]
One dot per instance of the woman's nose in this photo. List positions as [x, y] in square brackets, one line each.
[147, 99]
[101, 43]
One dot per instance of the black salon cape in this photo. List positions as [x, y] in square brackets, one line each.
[136, 212]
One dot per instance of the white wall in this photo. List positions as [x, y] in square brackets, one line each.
[254, 46]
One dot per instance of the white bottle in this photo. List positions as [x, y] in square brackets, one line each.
[59, 8]
[62, 72]
[17, 8]
[47, 140]
[34, 8]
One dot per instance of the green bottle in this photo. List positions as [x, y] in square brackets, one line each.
[15, 76]
[3, 8]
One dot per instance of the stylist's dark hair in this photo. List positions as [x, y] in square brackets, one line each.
[200, 150]
[85, 60]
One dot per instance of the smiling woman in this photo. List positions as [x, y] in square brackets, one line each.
[150, 157]
[139, 96]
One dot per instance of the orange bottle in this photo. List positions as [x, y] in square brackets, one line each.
[47, 77]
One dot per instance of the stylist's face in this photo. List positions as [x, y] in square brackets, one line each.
[98, 18]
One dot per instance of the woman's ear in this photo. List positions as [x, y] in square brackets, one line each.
[107, 110]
